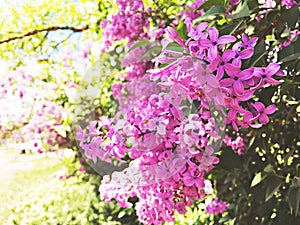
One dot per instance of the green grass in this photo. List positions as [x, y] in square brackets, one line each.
[26, 172]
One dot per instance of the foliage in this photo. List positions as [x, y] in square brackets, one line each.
[62, 37]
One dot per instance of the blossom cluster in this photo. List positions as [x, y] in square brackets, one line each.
[38, 122]
[129, 22]
[170, 132]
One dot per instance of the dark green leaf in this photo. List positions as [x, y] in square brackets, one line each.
[273, 185]
[294, 200]
[213, 11]
[241, 11]
[230, 28]
[291, 16]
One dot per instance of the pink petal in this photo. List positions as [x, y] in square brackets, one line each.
[227, 55]
[259, 106]
[247, 53]
[226, 39]
[202, 26]
[246, 74]
[227, 82]
[264, 119]
[270, 109]
[231, 70]
[204, 43]
[270, 80]
[272, 68]
[213, 34]
[212, 52]
[238, 87]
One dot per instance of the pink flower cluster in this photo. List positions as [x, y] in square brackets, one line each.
[216, 207]
[38, 120]
[129, 22]
[237, 144]
[170, 133]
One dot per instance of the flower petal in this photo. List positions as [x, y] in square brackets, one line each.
[272, 68]
[212, 52]
[226, 39]
[264, 119]
[247, 53]
[213, 34]
[270, 109]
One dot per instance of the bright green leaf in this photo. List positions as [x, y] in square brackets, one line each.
[256, 180]
[210, 3]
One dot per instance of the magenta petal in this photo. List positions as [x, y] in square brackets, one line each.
[226, 39]
[204, 43]
[227, 82]
[264, 119]
[238, 87]
[247, 53]
[247, 95]
[270, 80]
[246, 74]
[259, 106]
[231, 70]
[252, 41]
[220, 73]
[227, 55]
[270, 109]
[212, 52]
[231, 115]
[272, 68]
[202, 26]
[213, 34]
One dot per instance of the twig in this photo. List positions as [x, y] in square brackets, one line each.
[74, 29]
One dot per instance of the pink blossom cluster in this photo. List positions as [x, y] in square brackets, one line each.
[289, 3]
[169, 133]
[129, 22]
[216, 207]
[190, 12]
[237, 144]
[38, 120]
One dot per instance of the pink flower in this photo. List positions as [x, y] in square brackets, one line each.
[263, 112]
[214, 41]
[236, 78]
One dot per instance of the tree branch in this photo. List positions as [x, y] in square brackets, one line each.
[74, 29]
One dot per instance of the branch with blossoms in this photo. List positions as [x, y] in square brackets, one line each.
[174, 111]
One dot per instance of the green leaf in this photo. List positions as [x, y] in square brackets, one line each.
[294, 200]
[273, 185]
[256, 180]
[241, 11]
[290, 52]
[210, 3]
[230, 28]
[173, 46]
[141, 43]
[291, 57]
[216, 10]
[153, 51]
[290, 16]
[181, 30]
[269, 168]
